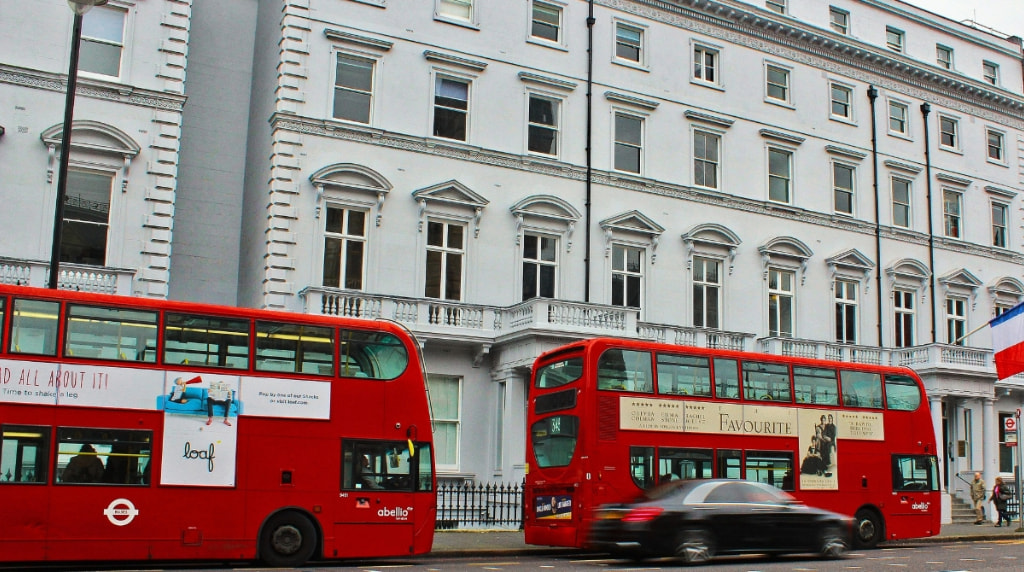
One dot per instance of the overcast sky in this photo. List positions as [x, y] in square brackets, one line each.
[1006, 16]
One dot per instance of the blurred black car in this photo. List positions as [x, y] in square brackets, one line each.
[696, 519]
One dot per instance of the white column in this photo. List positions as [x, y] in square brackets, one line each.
[935, 403]
[990, 450]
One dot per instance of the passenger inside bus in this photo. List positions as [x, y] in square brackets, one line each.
[366, 479]
[85, 467]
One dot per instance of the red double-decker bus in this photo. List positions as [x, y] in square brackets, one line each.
[610, 417]
[136, 429]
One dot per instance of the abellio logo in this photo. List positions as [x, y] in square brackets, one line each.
[397, 513]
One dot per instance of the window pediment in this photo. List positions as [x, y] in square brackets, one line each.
[91, 138]
[450, 197]
[961, 282]
[632, 223]
[852, 263]
[785, 250]
[349, 177]
[908, 273]
[1006, 290]
[710, 237]
[546, 208]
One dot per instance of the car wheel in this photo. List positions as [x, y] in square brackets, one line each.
[288, 539]
[695, 545]
[833, 542]
[867, 529]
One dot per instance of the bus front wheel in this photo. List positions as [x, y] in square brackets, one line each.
[867, 528]
[288, 540]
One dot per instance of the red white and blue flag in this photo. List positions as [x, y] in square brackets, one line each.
[1008, 341]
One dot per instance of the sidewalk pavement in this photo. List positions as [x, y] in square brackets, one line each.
[511, 542]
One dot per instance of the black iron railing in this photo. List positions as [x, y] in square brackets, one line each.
[467, 505]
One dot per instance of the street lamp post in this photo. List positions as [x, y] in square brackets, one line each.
[79, 7]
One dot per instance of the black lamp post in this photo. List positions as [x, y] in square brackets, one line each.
[79, 7]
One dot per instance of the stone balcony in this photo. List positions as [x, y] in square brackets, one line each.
[484, 326]
[72, 276]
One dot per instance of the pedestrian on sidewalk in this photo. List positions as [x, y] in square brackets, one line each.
[978, 497]
[1000, 494]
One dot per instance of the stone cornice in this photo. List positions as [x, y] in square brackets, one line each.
[552, 168]
[833, 53]
[356, 39]
[108, 91]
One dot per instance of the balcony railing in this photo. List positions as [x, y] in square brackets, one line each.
[575, 320]
[72, 276]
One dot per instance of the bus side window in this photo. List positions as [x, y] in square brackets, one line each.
[727, 379]
[771, 467]
[766, 381]
[23, 454]
[683, 375]
[119, 334]
[902, 393]
[816, 385]
[641, 466]
[92, 456]
[206, 341]
[375, 355]
[294, 348]
[861, 389]
[3, 307]
[625, 370]
[34, 327]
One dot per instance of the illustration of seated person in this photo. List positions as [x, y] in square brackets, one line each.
[218, 394]
[180, 389]
[85, 467]
[812, 463]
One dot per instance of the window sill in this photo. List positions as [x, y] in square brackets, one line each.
[707, 84]
[779, 103]
[630, 64]
[997, 163]
[899, 135]
[843, 120]
[952, 150]
[547, 44]
[456, 22]
[377, 3]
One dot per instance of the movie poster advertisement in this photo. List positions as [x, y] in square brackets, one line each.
[819, 437]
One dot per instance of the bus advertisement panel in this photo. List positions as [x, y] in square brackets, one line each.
[609, 417]
[135, 429]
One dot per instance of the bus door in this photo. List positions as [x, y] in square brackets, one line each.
[377, 511]
[24, 474]
[915, 492]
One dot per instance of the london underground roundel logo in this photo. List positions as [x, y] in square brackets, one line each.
[121, 512]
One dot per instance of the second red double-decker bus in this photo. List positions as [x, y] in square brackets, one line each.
[609, 417]
[135, 429]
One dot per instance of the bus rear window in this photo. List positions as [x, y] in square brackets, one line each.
[559, 373]
[902, 393]
[554, 440]
[625, 370]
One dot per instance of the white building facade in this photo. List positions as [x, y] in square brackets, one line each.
[836, 180]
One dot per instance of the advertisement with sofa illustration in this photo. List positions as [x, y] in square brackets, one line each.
[201, 409]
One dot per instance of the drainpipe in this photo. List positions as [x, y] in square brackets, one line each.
[926, 108]
[590, 114]
[873, 95]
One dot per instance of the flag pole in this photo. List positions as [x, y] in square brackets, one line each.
[974, 331]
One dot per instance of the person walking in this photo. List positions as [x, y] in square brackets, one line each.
[978, 497]
[1000, 494]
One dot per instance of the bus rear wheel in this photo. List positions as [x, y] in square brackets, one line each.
[867, 529]
[288, 539]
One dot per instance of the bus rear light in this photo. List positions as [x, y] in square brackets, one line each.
[643, 514]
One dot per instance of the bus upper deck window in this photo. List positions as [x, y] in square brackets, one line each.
[625, 370]
[206, 341]
[34, 327]
[294, 348]
[375, 355]
[559, 373]
[110, 333]
[861, 389]
[902, 393]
